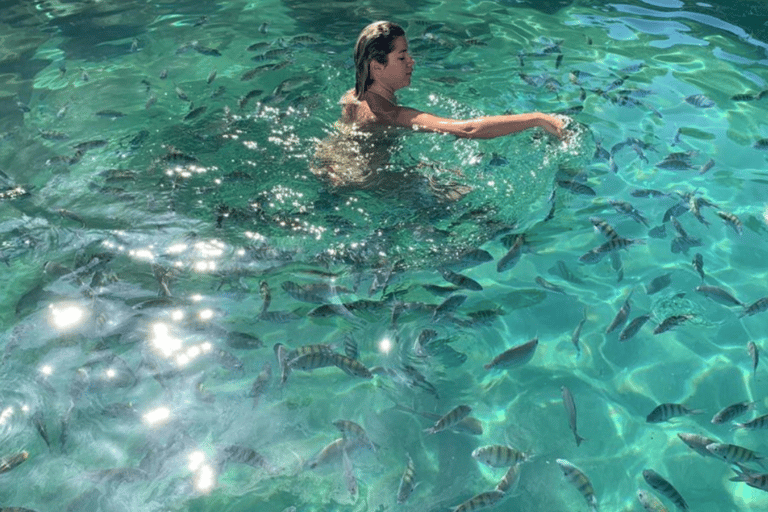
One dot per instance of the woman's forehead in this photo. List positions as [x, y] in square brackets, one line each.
[400, 44]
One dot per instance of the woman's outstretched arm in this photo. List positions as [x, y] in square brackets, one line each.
[477, 128]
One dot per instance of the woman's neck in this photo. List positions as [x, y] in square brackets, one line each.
[384, 92]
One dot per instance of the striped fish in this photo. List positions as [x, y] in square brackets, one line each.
[351, 366]
[670, 322]
[756, 480]
[508, 483]
[498, 456]
[697, 443]
[604, 228]
[666, 411]
[650, 502]
[454, 416]
[699, 100]
[480, 501]
[660, 484]
[758, 423]
[734, 453]
[510, 259]
[514, 356]
[570, 408]
[311, 361]
[730, 219]
[406, 481]
[460, 280]
[758, 306]
[730, 412]
[577, 477]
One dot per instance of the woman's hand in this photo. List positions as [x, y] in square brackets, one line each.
[552, 125]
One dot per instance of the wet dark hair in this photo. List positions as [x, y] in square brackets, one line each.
[376, 41]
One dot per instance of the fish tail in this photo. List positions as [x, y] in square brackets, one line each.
[579, 439]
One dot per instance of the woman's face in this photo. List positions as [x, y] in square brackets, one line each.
[397, 73]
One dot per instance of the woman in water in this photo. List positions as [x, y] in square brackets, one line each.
[357, 155]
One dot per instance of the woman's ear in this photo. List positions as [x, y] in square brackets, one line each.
[375, 68]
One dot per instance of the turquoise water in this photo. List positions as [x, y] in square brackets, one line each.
[136, 233]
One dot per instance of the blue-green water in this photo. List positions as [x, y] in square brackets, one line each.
[135, 237]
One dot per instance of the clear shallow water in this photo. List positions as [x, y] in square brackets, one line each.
[131, 388]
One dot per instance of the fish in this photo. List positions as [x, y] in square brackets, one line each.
[621, 315]
[468, 425]
[718, 295]
[743, 97]
[660, 484]
[515, 356]
[754, 355]
[266, 297]
[9, 462]
[508, 483]
[707, 166]
[697, 443]
[549, 286]
[576, 334]
[758, 306]
[243, 455]
[261, 383]
[243, 101]
[350, 346]
[454, 416]
[627, 209]
[512, 256]
[576, 187]
[351, 366]
[667, 411]
[329, 451]
[460, 280]
[759, 423]
[281, 353]
[761, 144]
[733, 454]
[670, 322]
[354, 433]
[633, 327]
[698, 264]
[658, 284]
[576, 477]
[756, 480]
[349, 473]
[732, 411]
[699, 100]
[407, 484]
[196, 112]
[448, 306]
[480, 501]
[570, 408]
[731, 219]
[112, 114]
[39, 422]
[499, 456]
[650, 502]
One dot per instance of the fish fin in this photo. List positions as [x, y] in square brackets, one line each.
[579, 439]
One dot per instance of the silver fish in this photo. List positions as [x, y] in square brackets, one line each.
[460, 280]
[758, 306]
[349, 474]
[718, 295]
[570, 408]
[754, 354]
[621, 315]
[697, 443]
[698, 264]
[658, 283]
[633, 327]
